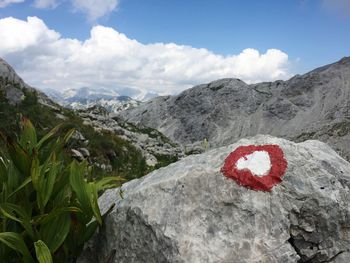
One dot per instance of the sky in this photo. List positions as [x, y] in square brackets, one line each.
[141, 47]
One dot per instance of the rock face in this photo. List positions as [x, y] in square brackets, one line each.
[6, 71]
[311, 106]
[190, 212]
[13, 87]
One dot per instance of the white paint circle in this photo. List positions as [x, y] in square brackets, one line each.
[258, 163]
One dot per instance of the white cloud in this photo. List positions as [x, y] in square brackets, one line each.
[4, 3]
[95, 9]
[18, 35]
[342, 6]
[45, 4]
[110, 59]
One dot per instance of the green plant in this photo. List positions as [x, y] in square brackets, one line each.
[48, 207]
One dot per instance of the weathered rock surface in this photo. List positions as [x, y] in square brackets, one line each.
[190, 212]
[312, 106]
[13, 95]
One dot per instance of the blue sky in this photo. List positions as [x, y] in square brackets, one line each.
[310, 33]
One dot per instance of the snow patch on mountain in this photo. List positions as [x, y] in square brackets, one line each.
[84, 98]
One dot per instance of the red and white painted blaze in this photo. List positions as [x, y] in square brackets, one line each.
[258, 167]
[257, 162]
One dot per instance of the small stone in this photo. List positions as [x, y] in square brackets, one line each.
[77, 155]
[85, 152]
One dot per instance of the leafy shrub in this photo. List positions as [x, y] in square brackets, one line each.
[48, 209]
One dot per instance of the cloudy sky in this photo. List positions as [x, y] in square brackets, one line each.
[166, 46]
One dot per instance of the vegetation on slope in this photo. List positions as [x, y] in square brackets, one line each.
[105, 148]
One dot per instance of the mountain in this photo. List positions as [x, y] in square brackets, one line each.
[315, 105]
[84, 98]
[107, 151]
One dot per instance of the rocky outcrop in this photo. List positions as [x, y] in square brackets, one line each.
[14, 87]
[190, 212]
[14, 95]
[153, 145]
[313, 105]
[8, 73]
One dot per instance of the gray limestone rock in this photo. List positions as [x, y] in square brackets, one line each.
[85, 152]
[13, 95]
[77, 155]
[78, 136]
[190, 212]
[311, 106]
[8, 73]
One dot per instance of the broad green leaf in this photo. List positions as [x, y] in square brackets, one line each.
[80, 186]
[62, 180]
[48, 136]
[35, 173]
[3, 170]
[42, 252]
[68, 135]
[24, 184]
[55, 232]
[62, 198]
[46, 218]
[47, 179]
[108, 182]
[19, 156]
[93, 195]
[18, 214]
[16, 242]
[13, 179]
[28, 138]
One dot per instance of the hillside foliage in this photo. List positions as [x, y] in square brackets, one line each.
[48, 205]
[105, 147]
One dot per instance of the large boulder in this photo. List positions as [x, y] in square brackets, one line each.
[191, 212]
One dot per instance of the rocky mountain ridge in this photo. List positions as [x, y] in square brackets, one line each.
[84, 98]
[314, 105]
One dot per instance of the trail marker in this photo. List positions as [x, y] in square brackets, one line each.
[258, 167]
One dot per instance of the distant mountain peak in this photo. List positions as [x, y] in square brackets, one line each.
[85, 97]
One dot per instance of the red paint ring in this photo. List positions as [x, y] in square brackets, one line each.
[245, 177]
